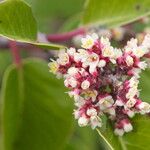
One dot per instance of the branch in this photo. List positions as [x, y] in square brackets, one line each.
[15, 53]
[65, 36]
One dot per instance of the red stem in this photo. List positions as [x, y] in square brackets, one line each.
[65, 36]
[147, 55]
[15, 52]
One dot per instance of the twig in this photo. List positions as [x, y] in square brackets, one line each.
[65, 36]
[109, 145]
[15, 53]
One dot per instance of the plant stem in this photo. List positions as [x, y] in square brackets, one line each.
[65, 36]
[147, 55]
[122, 144]
[15, 52]
[111, 148]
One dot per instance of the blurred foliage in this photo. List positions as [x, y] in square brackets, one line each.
[145, 85]
[85, 139]
[15, 24]
[120, 12]
[5, 61]
[51, 14]
[33, 117]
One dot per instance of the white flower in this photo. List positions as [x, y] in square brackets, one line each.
[76, 114]
[136, 72]
[130, 113]
[132, 92]
[70, 82]
[95, 122]
[110, 111]
[139, 51]
[108, 52]
[127, 127]
[89, 41]
[95, 36]
[102, 63]
[80, 55]
[73, 71]
[85, 84]
[113, 61]
[131, 102]
[63, 58]
[117, 53]
[131, 45]
[119, 102]
[53, 67]
[83, 72]
[129, 60]
[92, 61]
[105, 41]
[79, 102]
[91, 112]
[119, 132]
[105, 102]
[74, 95]
[146, 42]
[90, 94]
[133, 82]
[144, 107]
[142, 65]
[71, 51]
[83, 121]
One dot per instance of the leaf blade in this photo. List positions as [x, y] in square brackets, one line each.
[18, 22]
[114, 13]
[34, 119]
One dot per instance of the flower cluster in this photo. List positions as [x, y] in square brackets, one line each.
[117, 34]
[104, 80]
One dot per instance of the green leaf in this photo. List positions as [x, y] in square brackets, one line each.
[37, 114]
[49, 46]
[84, 139]
[145, 86]
[139, 138]
[51, 14]
[17, 21]
[5, 61]
[114, 12]
[70, 24]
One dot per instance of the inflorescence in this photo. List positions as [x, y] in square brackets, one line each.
[104, 80]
